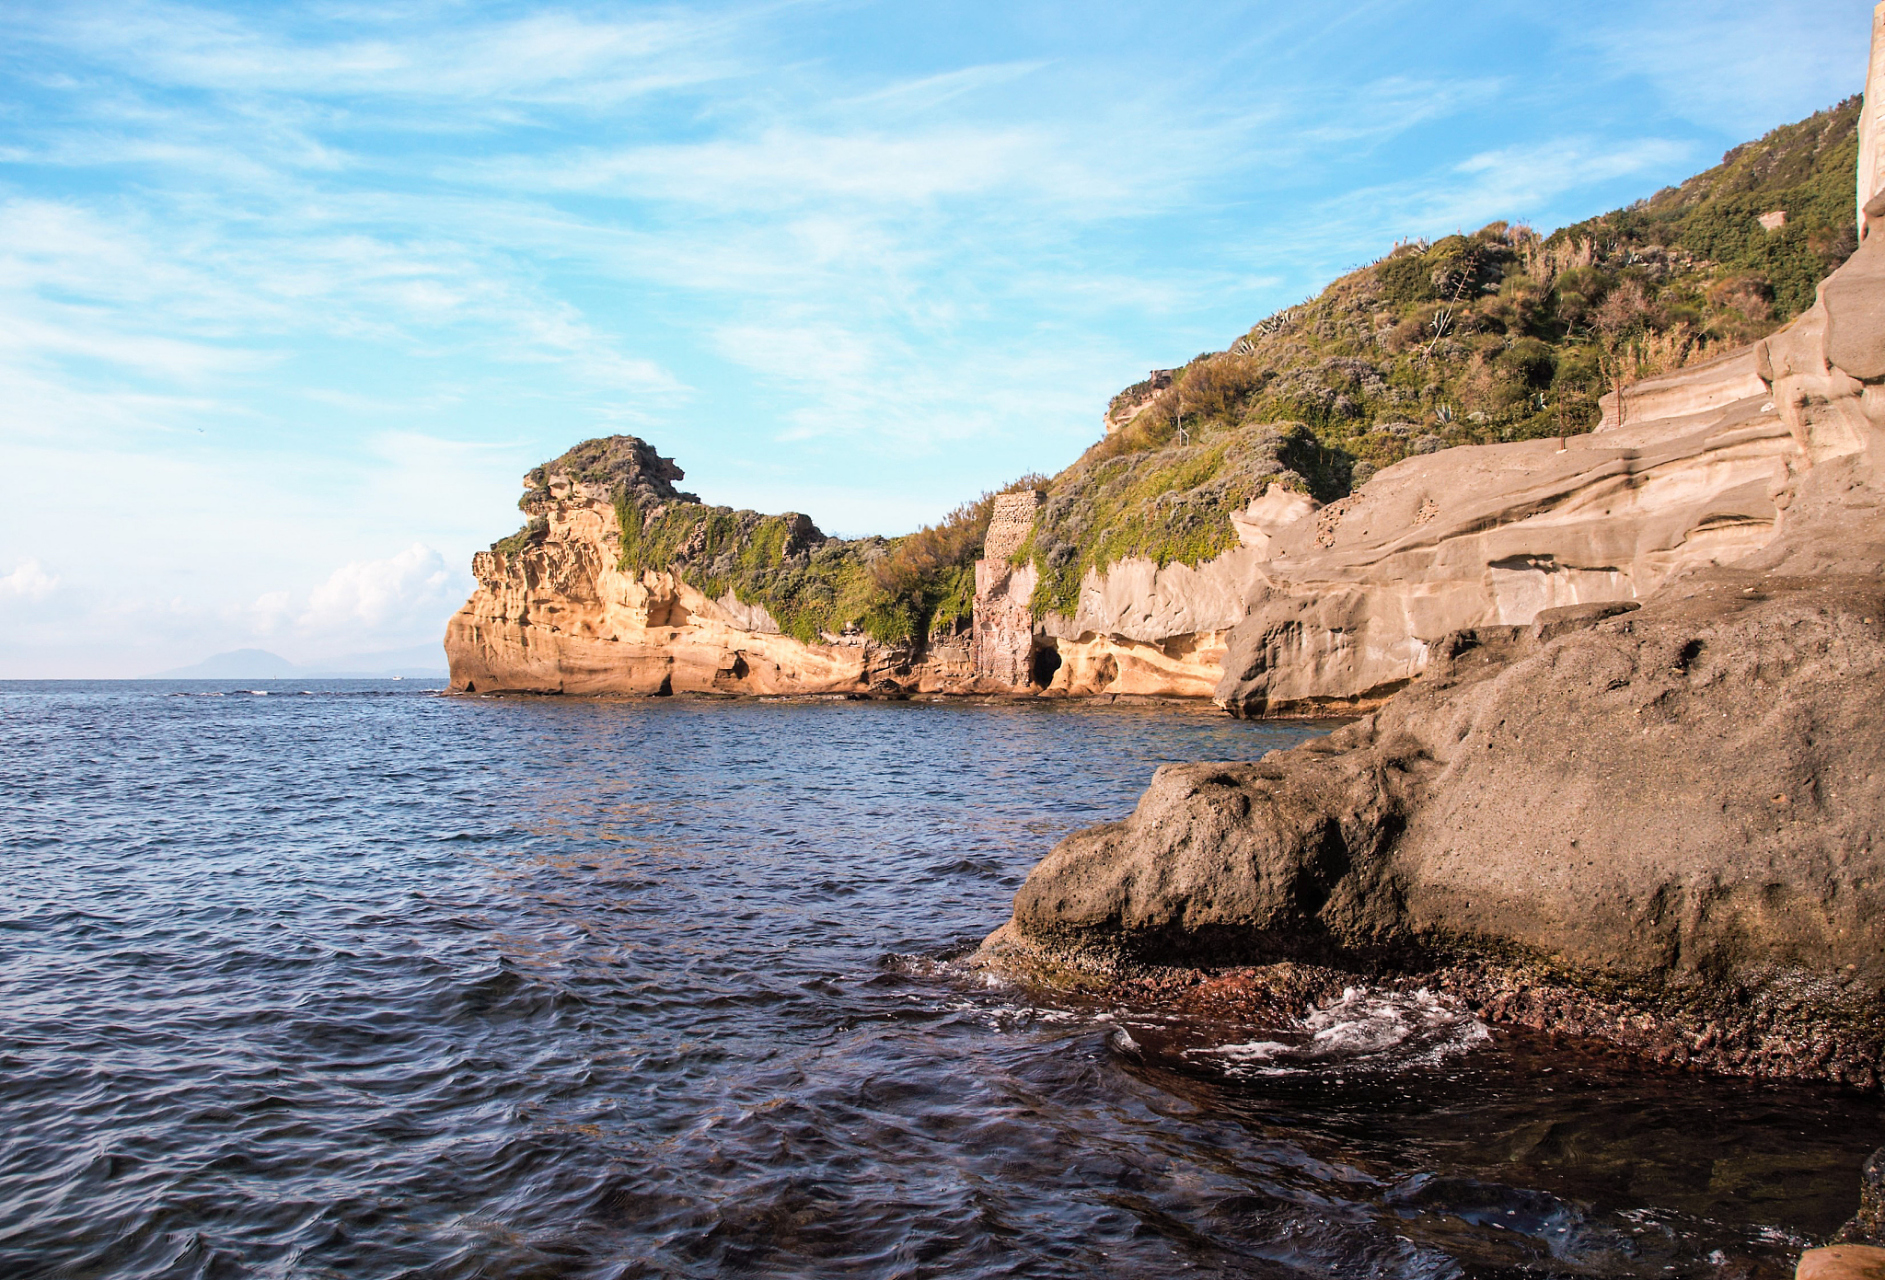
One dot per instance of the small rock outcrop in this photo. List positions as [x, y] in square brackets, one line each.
[619, 583]
[557, 610]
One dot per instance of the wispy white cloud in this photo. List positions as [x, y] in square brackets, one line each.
[214, 300]
[1518, 179]
[1737, 68]
[391, 595]
[546, 57]
[782, 167]
[27, 582]
[293, 289]
[1522, 183]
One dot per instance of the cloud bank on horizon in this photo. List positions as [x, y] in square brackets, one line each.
[290, 297]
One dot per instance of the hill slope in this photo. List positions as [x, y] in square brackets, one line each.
[1495, 336]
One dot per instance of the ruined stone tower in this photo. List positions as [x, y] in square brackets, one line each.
[1004, 622]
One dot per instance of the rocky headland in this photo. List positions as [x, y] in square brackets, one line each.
[1656, 819]
[1585, 528]
[1459, 435]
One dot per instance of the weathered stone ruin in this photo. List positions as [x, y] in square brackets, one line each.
[1004, 618]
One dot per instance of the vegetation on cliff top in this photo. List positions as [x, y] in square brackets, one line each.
[898, 591]
[1494, 336]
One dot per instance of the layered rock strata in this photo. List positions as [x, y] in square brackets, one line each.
[562, 616]
[1333, 608]
[1663, 825]
[1347, 600]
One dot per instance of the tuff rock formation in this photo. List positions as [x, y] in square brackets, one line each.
[1353, 596]
[1635, 785]
[1315, 609]
[554, 611]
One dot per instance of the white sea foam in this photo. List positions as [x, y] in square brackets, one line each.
[1364, 1029]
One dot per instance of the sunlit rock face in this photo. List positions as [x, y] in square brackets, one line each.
[1350, 597]
[561, 617]
[554, 611]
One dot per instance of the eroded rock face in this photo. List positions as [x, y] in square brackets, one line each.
[560, 617]
[1333, 609]
[1353, 596]
[1664, 826]
[1678, 810]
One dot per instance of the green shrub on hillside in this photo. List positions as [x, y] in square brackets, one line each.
[1146, 492]
[898, 591]
[1495, 336]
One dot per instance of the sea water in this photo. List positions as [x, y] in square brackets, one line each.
[365, 980]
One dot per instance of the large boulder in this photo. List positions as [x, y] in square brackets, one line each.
[1677, 813]
[1665, 825]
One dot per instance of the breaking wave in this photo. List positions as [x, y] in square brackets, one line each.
[1365, 1029]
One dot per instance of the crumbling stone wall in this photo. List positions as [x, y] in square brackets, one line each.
[1013, 522]
[1003, 624]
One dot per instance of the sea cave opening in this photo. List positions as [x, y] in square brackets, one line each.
[1043, 665]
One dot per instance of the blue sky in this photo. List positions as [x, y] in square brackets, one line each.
[291, 296]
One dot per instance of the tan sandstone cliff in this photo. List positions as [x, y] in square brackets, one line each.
[562, 616]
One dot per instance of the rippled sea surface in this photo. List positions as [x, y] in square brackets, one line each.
[369, 982]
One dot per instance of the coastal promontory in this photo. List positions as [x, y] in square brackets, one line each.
[1656, 821]
[1462, 434]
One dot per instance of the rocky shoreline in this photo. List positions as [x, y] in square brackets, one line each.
[1660, 829]
[1617, 771]
[1654, 823]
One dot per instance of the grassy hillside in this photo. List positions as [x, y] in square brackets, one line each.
[1493, 336]
[899, 591]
